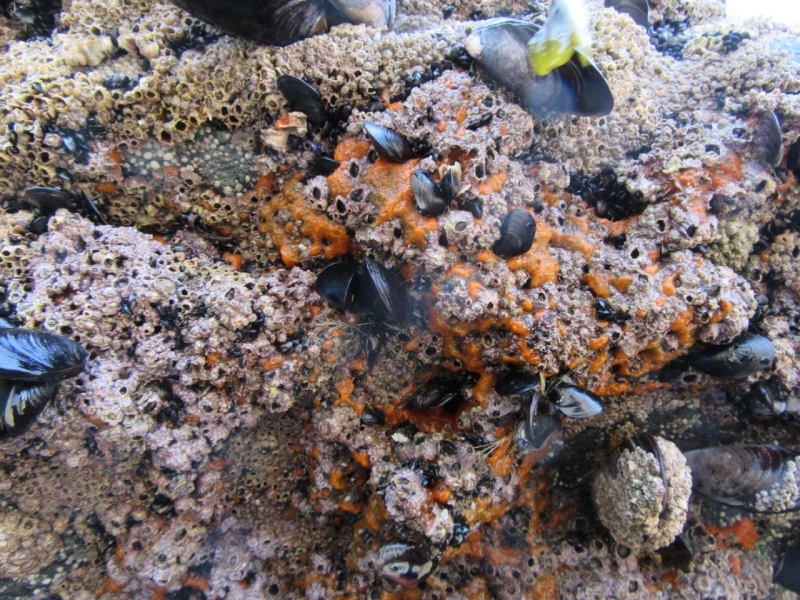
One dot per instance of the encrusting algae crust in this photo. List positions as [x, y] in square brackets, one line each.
[229, 439]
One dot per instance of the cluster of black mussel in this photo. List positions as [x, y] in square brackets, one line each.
[32, 363]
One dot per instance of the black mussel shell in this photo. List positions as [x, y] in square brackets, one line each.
[787, 570]
[672, 370]
[793, 156]
[576, 402]
[427, 196]
[638, 10]
[373, 416]
[38, 356]
[338, 283]
[406, 562]
[740, 475]
[449, 186]
[47, 199]
[474, 206]
[273, 22]
[437, 393]
[517, 382]
[20, 403]
[516, 234]
[390, 298]
[373, 13]
[304, 98]
[769, 139]
[746, 355]
[390, 145]
[500, 48]
[541, 425]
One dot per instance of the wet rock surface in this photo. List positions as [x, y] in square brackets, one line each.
[229, 436]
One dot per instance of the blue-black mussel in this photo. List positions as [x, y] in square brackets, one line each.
[37, 356]
[48, 200]
[540, 426]
[31, 365]
[500, 48]
[282, 22]
[757, 478]
[769, 139]
[787, 570]
[428, 197]
[304, 98]
[746, 355]
[367, 290]
[390, 145]
[443, 391]
[516, 234]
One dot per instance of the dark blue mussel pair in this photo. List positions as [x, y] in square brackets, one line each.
[366, 289]
[32, 363]
[541, 424]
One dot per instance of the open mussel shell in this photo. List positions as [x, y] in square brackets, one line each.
[38, 356]
[516, 234]
[746, 355]
[638, 10]
[373, 13]
[389, 293]
[20, 404]
[540, 425]
[576, 402]
[338, 284]
[787, 570]
[390, 145]
[406, 562]
[500, 48]
[769, 139]
[304, 98]
[48, 199]
[273, 22]
[762, 479]
[427, 195]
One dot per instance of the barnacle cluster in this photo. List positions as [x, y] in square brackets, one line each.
[643, 506]
[235, 434]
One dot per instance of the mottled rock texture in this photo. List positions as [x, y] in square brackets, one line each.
[218, 445]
